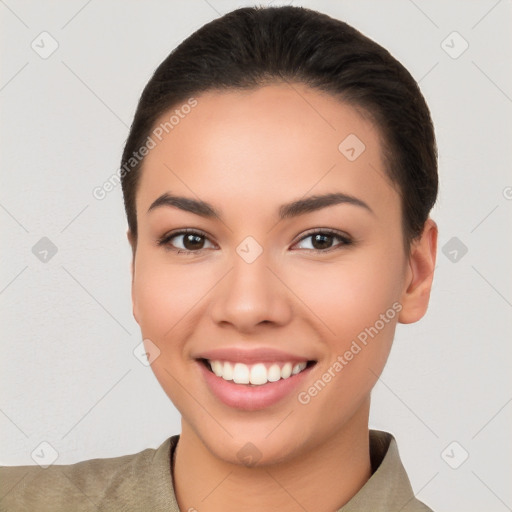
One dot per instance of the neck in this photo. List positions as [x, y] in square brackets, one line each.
[323, 479]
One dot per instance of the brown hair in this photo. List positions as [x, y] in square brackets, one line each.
[254, 46]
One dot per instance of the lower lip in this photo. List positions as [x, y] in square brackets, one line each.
[251, 398]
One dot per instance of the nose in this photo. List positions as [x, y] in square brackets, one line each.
[251, 295]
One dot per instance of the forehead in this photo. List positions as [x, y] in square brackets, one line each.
[280, 140]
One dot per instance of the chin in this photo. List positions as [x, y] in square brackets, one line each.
[254, 448]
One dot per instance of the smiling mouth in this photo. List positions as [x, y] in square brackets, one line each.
[256, 374]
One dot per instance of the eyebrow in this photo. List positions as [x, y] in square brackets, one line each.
[286, 211]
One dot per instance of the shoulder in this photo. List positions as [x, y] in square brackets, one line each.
[83, 486]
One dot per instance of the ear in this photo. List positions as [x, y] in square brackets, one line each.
[133, 244]
[420, 274]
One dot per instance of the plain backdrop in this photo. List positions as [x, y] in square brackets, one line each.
[69, 377]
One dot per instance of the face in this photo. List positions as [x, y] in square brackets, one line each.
[255, 289]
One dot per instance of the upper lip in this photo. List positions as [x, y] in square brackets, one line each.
[248, 356]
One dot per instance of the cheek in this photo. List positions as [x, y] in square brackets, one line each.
[369, 293]
[163, 296]
[166, 302]
[358, 302]
[350, 295]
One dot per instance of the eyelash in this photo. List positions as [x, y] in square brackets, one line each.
[164, 241]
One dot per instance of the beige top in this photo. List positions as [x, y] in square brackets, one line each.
[143, 482]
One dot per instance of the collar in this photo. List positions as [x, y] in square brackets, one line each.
[389, 487]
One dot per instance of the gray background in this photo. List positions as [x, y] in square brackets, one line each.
[69, 377]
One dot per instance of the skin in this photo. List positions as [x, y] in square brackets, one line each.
[247, 153]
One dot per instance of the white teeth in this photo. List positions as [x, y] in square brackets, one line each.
[241, 374]
[297, 368]
[257, 374]
[227, 371]
[217, 368]
[286, 370]
[274, 373]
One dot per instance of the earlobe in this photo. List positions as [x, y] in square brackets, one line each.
[422, 261]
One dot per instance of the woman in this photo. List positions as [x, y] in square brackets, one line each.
[278, 178]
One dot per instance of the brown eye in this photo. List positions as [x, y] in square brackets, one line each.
[192, 242]
[322, 241]
[184, 242]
